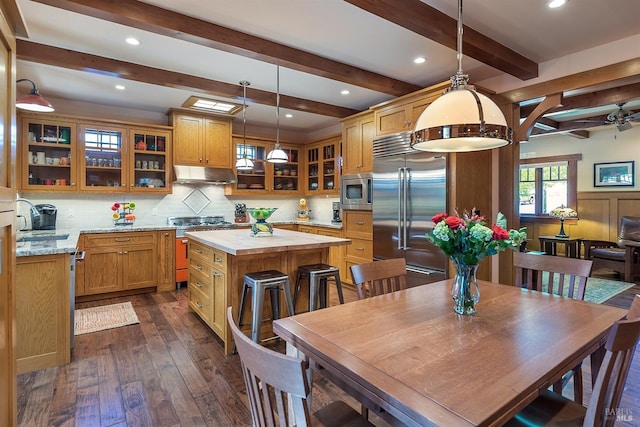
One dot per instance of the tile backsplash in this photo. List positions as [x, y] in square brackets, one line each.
[94, 210]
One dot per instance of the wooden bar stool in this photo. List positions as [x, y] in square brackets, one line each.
[258, 282]
[317, 276]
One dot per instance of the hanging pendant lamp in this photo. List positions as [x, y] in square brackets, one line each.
[34, 101]
[461, 119]
[277, 155]
[244, 163]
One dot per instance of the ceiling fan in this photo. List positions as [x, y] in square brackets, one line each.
[622, 117]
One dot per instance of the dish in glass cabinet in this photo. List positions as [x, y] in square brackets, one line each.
[256, 186]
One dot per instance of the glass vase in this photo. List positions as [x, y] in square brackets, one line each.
[465, 291]
[261, 228]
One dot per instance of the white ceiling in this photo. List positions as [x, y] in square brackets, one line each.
[329, 28]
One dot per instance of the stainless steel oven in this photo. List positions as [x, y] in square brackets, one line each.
[356, 191]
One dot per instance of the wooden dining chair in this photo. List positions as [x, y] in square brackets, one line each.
[551, 409]
[560, 276]
[379, 277]
[277, 387]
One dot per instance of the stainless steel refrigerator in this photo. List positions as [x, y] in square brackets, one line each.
[409, 187]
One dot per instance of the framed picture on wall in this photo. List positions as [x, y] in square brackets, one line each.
[613, 174]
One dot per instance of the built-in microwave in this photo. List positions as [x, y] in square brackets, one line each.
[356, 191]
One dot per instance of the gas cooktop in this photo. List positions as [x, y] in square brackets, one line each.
[196, 223]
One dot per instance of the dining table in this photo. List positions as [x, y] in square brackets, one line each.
[409, 356]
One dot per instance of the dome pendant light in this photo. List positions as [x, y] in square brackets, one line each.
[34, 101]
[461, 119]
[277, 155]
[244, 163]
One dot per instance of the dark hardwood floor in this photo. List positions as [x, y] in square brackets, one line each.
[170, 370]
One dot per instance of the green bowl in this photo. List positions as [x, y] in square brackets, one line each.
[261, 213]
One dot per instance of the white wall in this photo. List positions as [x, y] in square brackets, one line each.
[94, 210]
[607, 145]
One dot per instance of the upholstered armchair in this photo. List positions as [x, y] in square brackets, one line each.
[622, 256]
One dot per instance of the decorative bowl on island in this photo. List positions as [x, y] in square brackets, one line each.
[261, 227]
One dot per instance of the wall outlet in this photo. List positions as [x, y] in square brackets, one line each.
[154, 211]
[71, 213]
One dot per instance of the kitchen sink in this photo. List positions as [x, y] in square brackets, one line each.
[42, 238]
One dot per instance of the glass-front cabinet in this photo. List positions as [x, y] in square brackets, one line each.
[265, 177]
[48, 153]
[102, 149]
[148, 163]
[323, 167]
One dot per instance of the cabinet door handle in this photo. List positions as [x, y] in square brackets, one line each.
[198, 266]
[360, 222]
[198, 304]
[198, 251]
[216, 274]
[120, 253]
[198, 284]
[125, 252]
[72, 184]
[123, 240]
[216, 259]
[359, 249]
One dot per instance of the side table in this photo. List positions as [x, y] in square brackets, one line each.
[548, 244]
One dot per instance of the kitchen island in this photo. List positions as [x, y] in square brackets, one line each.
[219, 259]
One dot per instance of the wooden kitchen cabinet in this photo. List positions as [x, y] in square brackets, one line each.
[207, 285]
[266, 178]
[43, 320]
[357, 143]
[323, 167]
[119, 261]
[358, 226]
[401, 114]
[201, 140]
[102, 149]
[48, 152]
[150, 161]
[166, 260]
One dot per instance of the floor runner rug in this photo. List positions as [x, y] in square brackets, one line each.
[104, 317]
[598, 290]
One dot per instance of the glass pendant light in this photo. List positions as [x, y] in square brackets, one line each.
[244, 163]
[34, 101]
[277, 155]
[461, 119]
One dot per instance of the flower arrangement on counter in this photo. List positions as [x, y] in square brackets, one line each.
[466, 239]
[123, 213]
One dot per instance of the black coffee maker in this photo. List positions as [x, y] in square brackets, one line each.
[46, 218]
[335, 219]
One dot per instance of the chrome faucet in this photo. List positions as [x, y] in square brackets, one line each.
[34, 211]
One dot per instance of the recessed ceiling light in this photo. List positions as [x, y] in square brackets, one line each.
[420, 60]
[345, 92]
[552, 4]
[133, 41]
[120, 87]
[288, 115]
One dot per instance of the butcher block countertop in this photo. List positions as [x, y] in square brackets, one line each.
[240, 242]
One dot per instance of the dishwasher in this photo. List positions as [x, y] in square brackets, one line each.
[75, 257]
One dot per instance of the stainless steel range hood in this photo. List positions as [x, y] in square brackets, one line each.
[202, 175]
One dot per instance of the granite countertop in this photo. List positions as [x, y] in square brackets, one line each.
[240, 242]
[58, 245]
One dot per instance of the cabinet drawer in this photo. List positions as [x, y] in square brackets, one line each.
[306, 229]
[201, 284]
[330, 233]
[202, 253]
[120, 239]
[360, 248]
[197, 266]
[358, 224]
[200, 304]
[219, 261]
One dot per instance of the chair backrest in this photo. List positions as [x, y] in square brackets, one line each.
[379, 277]
[629, 230]
[634, 310]
[270, 377]
[608, 388]
[565, 276]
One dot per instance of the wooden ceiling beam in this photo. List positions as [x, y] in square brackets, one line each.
[65, 58]
[600, 98]
[151, 18]
[423, 19]
[585, 79]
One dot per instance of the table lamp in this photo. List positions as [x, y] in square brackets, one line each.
[562, 212]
